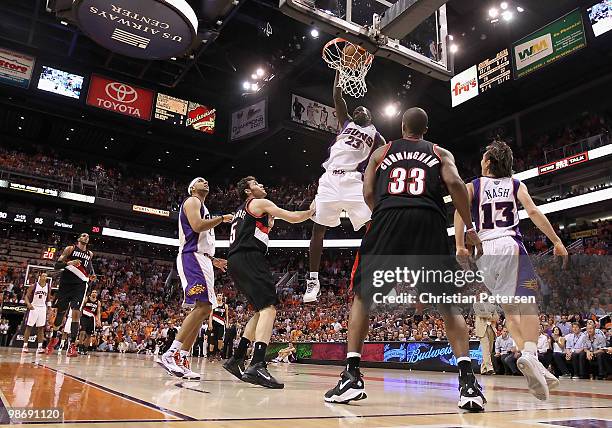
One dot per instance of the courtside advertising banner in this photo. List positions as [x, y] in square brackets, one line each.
[15, 68]
[464, 86]
[249, 121]
[119, 97]
[549, 44]
[314, 114]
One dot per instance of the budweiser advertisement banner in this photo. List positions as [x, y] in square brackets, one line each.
[120, 97]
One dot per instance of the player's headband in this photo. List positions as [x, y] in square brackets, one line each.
[193, 182]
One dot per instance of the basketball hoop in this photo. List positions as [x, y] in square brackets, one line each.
[352, 63]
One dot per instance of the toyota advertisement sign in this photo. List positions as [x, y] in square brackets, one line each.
[119, 97]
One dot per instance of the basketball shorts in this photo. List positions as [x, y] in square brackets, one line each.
[88, 324]
[37, 317]
[412, 238]
[338, 192]
[252, 276]
[506, 267]
[70, 296]
[197, 279]
[218, 331]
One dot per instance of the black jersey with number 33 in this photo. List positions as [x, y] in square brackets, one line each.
[409, 177]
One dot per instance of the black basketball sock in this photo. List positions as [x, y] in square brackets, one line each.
[352, 364]
[74, 330]
[243, 346]
[465, 368]
[259, 352]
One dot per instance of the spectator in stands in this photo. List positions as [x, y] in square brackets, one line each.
[593, 359]
[544, 347]
[558, 353]
[505, 354]
[4, 328]
[574, 347]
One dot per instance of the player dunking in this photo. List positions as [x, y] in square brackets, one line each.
[252, 275]
[76, 274]
[36, 300]
[90, 318]
[403, 186]
[341, 186]
[506, 267]
[195, 261]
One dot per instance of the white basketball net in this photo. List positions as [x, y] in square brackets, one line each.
[352, 68]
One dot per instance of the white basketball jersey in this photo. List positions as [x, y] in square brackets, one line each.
[495, 207]
[39, 298]
[194, 242]
[352, 146]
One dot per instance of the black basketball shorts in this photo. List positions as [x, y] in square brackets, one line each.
[252, 276]
[218, 330]
[412, 238]
[88, 324]
[70, 296]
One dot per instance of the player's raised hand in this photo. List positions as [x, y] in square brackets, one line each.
[92, 278]
[220, 264]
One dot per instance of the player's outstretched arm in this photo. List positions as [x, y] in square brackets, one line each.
[264, 206]
[369, 178]
[28, 296]
[341, 108]
[60, 262]
[458, 191]
[540, 220]
[197, 223]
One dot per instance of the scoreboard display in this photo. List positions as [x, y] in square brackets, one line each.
[23, 218]
[494, 71]
[49, 253]
[184, 113]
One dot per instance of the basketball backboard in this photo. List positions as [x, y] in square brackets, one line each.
[411, 32]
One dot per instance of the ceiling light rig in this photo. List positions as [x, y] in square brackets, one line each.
[505, 11]
[259, 78]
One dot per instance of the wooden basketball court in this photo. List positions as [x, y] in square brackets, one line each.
[113, 390]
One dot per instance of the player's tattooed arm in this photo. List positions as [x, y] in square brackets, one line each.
[264, 206]
[369, 178]
[197, 223]
[340, 104]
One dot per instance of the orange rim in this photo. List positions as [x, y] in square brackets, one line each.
[369, 56]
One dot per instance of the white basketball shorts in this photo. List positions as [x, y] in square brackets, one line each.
[37, 317]
[338, 192]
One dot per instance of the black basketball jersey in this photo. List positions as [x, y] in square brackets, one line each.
[409, 177]
[90, 309]
[77, 274]
[249, 232]
[218, 314]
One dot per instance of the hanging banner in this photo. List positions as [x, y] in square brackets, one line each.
[15, 68]
[549, 44]
[249, 121]
[313, 114]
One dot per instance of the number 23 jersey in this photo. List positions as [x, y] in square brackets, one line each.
[352, 146]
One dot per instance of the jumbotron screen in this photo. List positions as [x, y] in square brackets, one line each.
[189, 114]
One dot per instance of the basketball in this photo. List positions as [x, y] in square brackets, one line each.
[353, 56]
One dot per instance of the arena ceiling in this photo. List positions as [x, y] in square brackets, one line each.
[215, 74]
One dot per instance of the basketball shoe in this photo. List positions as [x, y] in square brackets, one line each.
[313, 290]
[471, 397]
[551, 379]
[258, 374]
[186, 367]
[25, 350]
[350, 387]
[528, 364]
[72, 351]
[170, 363]
[235, 366]
[51, 345]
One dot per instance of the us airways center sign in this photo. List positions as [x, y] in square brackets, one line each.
[147, 29]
